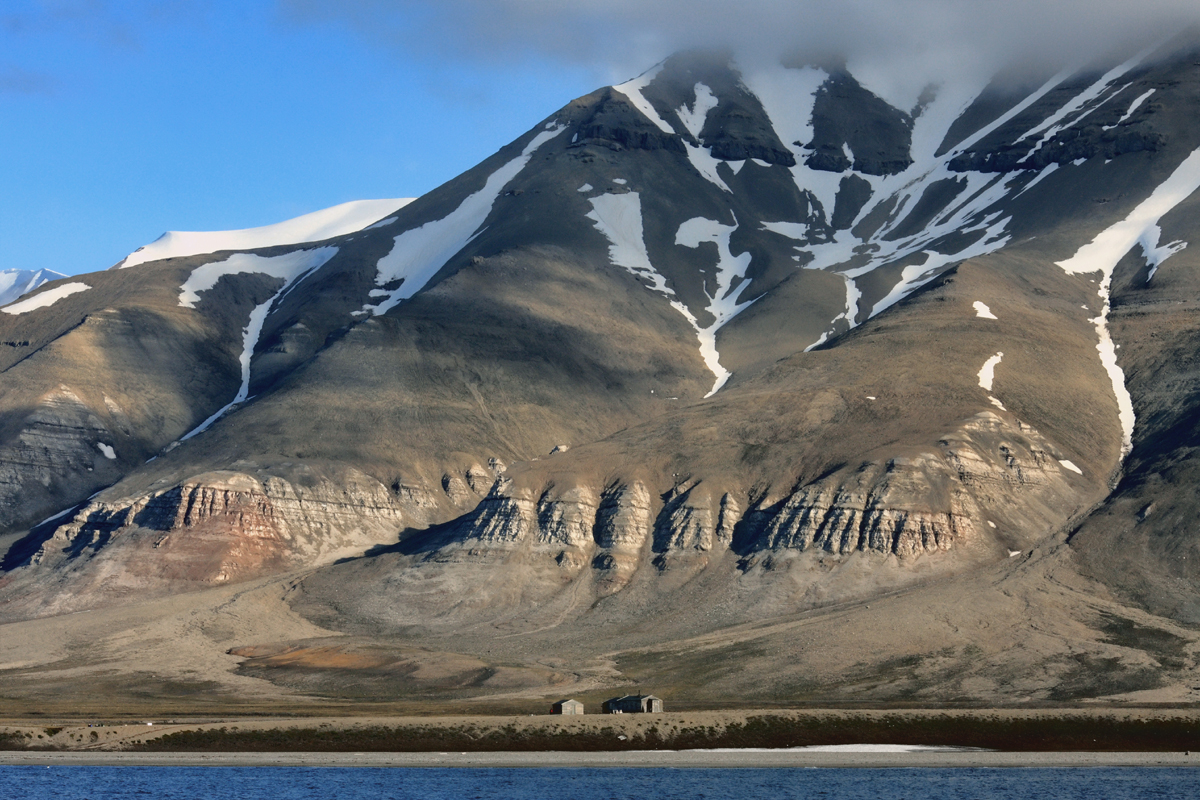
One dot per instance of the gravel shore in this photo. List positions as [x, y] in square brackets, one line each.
[672, 759]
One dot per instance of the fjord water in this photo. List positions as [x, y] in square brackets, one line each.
[292, 783]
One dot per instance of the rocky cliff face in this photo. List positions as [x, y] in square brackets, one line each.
[218, 527]
[981, 489]
[927, 503]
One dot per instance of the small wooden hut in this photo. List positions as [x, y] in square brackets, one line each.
[634, 704]
[567, 708]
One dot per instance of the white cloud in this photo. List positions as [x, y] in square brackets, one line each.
[932, 37]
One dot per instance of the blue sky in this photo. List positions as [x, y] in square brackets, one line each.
[119, 121]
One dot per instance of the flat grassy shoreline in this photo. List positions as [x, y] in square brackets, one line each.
[1001, 730]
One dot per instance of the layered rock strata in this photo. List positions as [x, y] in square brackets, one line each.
[226, 526]
[62, 440]
[980, 486]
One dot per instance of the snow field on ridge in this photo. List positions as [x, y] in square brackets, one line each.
[314, 227]
[43, 299]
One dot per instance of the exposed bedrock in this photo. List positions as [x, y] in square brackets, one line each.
[1073, 144]
[225, 526]
[62, 445]
[608, 118]
[991, 485]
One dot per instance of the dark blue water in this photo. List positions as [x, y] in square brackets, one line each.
[293, 783]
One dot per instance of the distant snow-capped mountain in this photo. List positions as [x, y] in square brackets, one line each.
[16, 282]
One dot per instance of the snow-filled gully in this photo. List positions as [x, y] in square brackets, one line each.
[778, 91]
[792, 120]
[788, 96]
[723, 301]
[1103, 253]
[290, 267]
[619, 218]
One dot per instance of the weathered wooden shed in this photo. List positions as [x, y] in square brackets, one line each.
[634, 704]
[567, 707]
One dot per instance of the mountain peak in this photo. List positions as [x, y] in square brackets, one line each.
[714, 350]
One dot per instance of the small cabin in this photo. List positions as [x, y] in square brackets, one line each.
[567, 707]
[634, 704]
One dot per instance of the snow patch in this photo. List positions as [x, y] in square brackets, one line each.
[1110, 246]
[620, 181]
[693, 118]
[315, 227]
[46, 298]
[792, 230]
[287, 267]
[987, 373]
[250, 336]
[982, 311]
[60, 514]
[1070, 465]
[787, 96]
[107, 450]
[587, 187]
[619, 217]
[418, 254]
[1132, 108]
[1004, 118]
[704, 162]
[1046, 172]
[633, 90]
[290, 267]
[1055, 122]
[790, 112]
